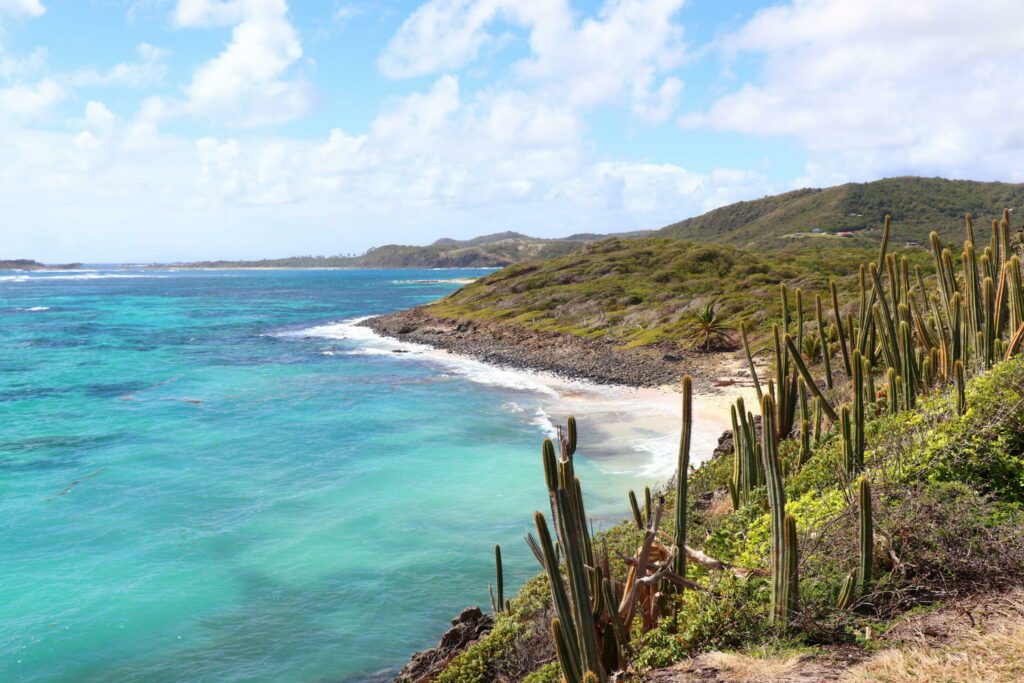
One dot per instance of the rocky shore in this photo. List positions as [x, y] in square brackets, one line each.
[566, 355]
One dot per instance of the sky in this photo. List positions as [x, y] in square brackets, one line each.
[163, 130]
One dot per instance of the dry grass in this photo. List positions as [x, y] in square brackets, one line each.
[746, 669]
[996, 656]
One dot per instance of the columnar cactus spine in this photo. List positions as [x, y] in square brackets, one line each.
[857, 427]
[682, 472]
[961, 382]
[777, 503]
[838, 322]
[792, 563]
[635, 507]
[806, 374]
[826, 352]
[498, 602]
[750, 360]
[565, 638]
[847, 591]
[867, 538]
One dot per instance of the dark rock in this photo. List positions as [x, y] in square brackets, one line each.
[467, 628]
[725, 446]
[703, 501]
[505, 344]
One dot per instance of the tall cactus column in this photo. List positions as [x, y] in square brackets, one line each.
[682, 472]
[867, 536]
[781, 561]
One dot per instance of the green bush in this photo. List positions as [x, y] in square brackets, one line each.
[731, 614]
[983, 448]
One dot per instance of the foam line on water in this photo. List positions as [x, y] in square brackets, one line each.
[630, 430]
[82, 276]
[369, 343]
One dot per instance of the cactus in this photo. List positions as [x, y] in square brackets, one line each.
[682, 471]
[856, 462]
[497, 603]
[961, 383]
[618, 628]
[777, 504]
[571, 439]
[867, 537]
[848, 591]
[565, 643]
[792, 564]
[750, 360]
[838, 321]
[847, 435]
[565, 653]
[826, 352]
[637, 516]
[805, 373]
[647, 506]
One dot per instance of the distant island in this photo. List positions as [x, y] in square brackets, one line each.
[848, 214]
[487, 251]
[29, 264]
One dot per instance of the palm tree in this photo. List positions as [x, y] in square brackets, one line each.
[811, 350]
[708, 330]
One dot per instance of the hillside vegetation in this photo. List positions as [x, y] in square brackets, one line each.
[803, 219]
[917, 205]
[647, 291]
[487, 251]
[884, 475]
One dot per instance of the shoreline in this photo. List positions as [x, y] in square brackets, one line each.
[624, 429]
[595, 360]
[631, 430]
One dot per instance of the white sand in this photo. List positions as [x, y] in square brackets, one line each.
[622, 429]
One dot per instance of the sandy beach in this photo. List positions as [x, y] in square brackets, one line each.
[622, 428]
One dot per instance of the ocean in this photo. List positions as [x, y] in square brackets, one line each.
[216, 475]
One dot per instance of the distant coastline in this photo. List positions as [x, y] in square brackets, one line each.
[25, 264]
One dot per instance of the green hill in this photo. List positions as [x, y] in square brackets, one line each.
[917, 206]
[487, 251]
[640, 292]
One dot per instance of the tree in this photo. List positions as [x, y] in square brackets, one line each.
[708, 330]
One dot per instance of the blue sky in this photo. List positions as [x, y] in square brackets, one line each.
[183, 129]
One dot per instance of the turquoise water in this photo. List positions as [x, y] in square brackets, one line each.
[206, 477]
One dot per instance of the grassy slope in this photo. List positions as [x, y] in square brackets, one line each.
[917, 205]
[643, 291]
[949, 492]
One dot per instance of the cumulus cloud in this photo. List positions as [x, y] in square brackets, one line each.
[150, 68]
[449, 154]
[874, 87]
[251, 82]
[31, 100]
[623, 52]
[28, 8]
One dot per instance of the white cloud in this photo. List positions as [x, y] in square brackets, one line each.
[208, 12]
[31, 100]
[249, 82]
[619, 54]
[437, 159]
[880, 88]
[28, 8]
[150, 69]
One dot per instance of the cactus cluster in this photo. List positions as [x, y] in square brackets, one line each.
[912, 333]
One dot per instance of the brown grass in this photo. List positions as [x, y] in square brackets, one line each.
[746, 669]
[996, 656]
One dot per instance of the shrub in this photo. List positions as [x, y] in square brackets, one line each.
[729, 615]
